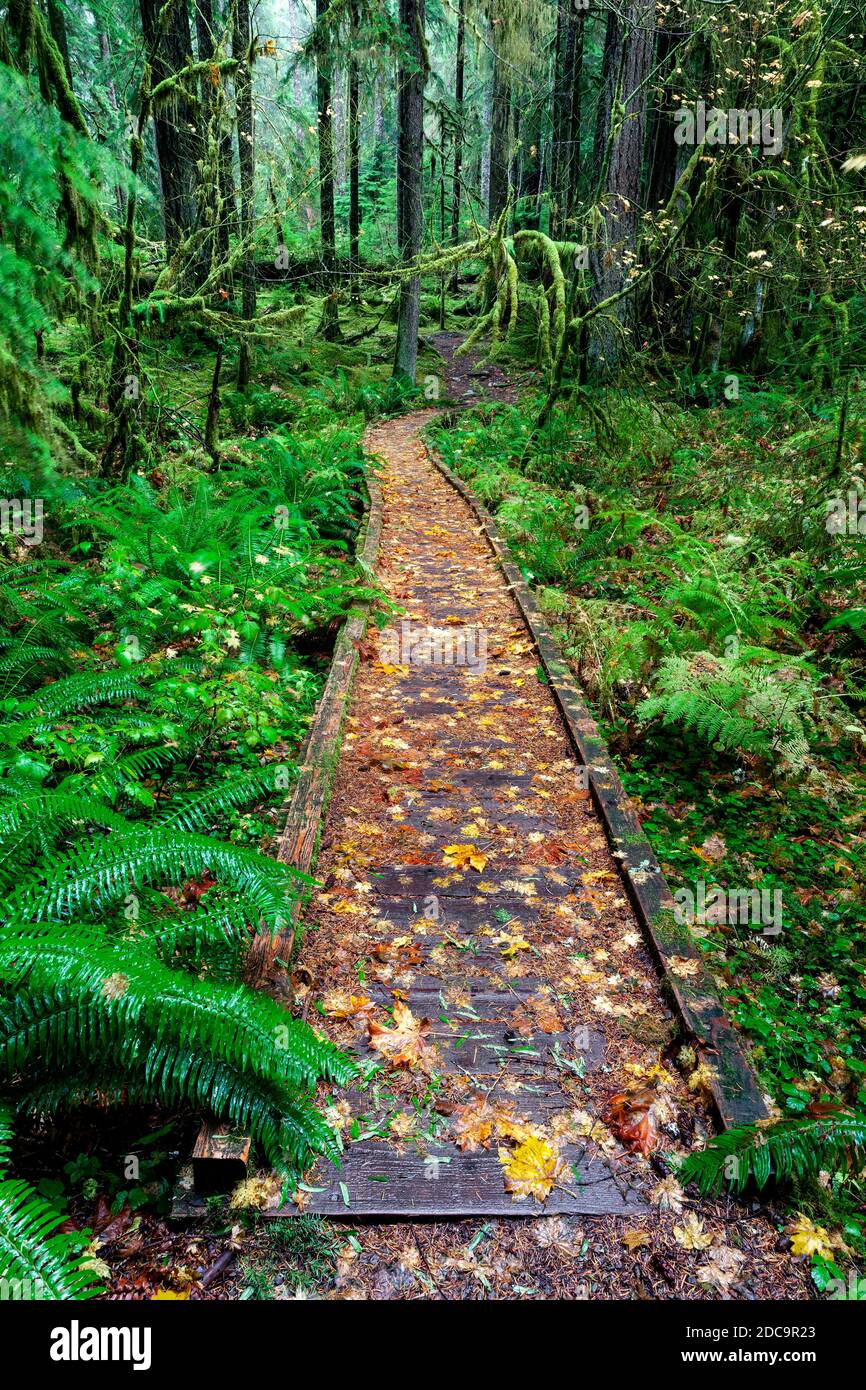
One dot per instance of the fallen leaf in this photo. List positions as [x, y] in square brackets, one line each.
[809, 1239]
[722, 1267]
[667, 1195]
[459, 856]
[405, 1044]
[472, 1125]
[633, 1240]
[338, 1003]
[691, 1235]
[631, 1116]
[531, 1169]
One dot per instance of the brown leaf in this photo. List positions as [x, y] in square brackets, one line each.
[405, 1044]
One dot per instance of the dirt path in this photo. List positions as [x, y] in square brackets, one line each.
[472, 940]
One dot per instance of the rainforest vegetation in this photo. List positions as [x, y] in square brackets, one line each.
[232, 235]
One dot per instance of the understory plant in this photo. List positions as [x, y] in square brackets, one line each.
[155, 683]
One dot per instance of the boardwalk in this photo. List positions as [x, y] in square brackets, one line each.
[472, 935]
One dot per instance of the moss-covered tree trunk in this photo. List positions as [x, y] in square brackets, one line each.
[499, 140]
[354, 144]
[210, 193]
[410, 137]
[459, 71]
[241, 49]
[619, 151]
[330, 327]
[167, 36]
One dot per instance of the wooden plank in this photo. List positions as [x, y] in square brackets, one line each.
[375, 1180]
[735, 1088]
[220, 1158]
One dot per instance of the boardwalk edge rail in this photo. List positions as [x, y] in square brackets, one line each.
[735, 1088]
[220, 1156]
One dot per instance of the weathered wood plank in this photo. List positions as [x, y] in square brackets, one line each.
[376, 1180]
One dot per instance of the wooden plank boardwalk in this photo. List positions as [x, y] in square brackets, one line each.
[474, 939]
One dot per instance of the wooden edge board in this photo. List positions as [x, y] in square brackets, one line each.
[268, 966]
[735, 1088]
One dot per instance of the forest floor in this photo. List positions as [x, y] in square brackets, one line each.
[471, 936]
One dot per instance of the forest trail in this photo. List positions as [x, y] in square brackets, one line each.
[473, 933]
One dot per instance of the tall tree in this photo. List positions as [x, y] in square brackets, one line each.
[325, 128]
[411, 79]
[169, 44]
[619, 147]
[459, 71]
[499, 138]
[354, 143]
[210, 191]
[242, 50]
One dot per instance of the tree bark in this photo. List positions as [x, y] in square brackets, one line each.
[628, 53]
[217, 238]
[573, 170]
[241, 49]
[354, 152]
[170, 45]
[459, 69]
[499, 141]
[411, 81]
[57, 29]
[330, 327]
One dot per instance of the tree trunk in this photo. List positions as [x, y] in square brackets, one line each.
[354, 154]
[241, 49]
[566, 89]
[573, 170]
[499, 141]
[209, 184]
[411, 80]
[460, 63]
[628, 53]
[111, 90]
[483, 181]
[57, 28]
[530, 172]
[330, 326]
[170, 45]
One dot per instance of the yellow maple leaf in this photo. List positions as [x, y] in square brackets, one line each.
[809, 1239]
[691, 1235]
[684, 967]
[472, 1125]
[346, 908]
[510, 945]
[531, 1169]
[458, 856]
[162, 1295]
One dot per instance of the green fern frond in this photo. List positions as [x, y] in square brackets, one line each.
[796, 1148]
[74, 1001]
[91, 688]
[93, 876]
[205, 809]
[7, 1131]
[34, 1261]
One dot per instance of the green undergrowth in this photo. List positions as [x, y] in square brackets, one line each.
[162, 648]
